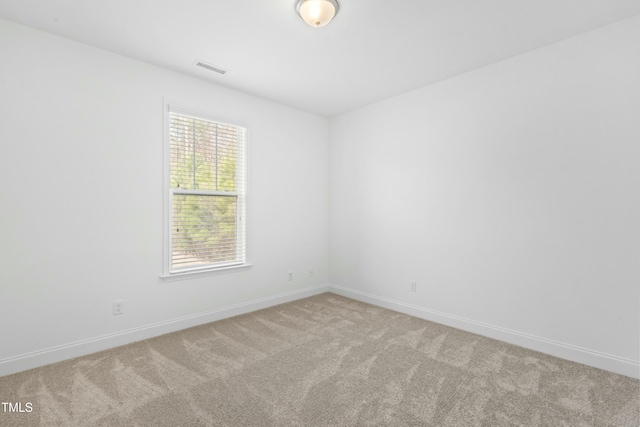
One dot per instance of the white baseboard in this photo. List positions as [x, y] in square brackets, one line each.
[47, 356]
[573, 353]
[588, 357]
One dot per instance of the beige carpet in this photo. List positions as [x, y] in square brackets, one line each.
[320, 361]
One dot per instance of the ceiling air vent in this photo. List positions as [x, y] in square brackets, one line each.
[211, 67]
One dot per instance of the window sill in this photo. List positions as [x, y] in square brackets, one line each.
[202, 273]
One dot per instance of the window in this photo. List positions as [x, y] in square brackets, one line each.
[205, 213]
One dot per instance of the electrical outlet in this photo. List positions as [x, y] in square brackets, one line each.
[118, 307]
[290, 276]
[413, 286]
[311, 273]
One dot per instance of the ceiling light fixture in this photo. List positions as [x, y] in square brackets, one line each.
[317, 13]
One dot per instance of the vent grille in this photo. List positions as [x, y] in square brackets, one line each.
[211, 67]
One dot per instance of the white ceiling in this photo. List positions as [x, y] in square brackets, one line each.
[372, 50]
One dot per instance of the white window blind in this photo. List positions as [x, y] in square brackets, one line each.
[207, 193]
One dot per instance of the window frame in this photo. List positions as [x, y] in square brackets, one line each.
[169, 274]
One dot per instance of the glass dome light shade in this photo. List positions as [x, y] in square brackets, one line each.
[317, 13]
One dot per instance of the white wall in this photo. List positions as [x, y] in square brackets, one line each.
[511, 194]
[81, 198]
